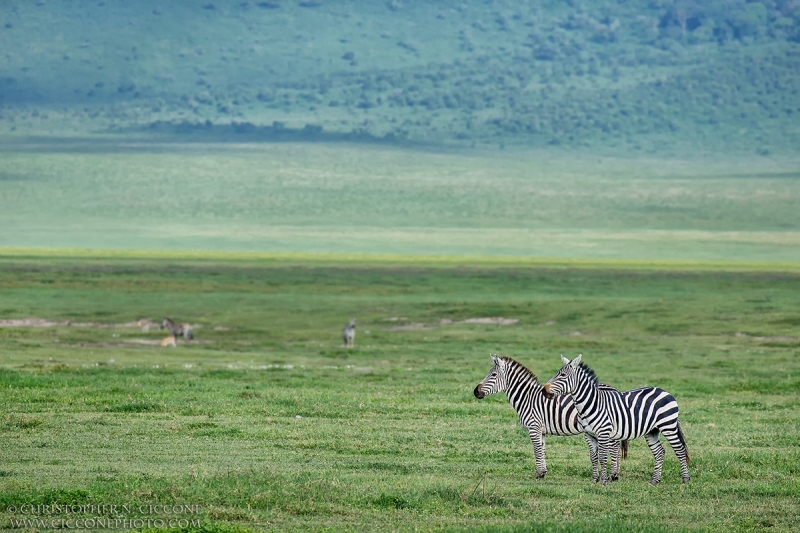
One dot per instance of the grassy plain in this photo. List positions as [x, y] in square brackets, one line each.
[346, 198]
[271, 424]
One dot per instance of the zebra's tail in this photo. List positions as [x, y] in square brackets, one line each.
[624, 446]
[683, 441]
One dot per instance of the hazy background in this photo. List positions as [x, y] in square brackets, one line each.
[636, 129]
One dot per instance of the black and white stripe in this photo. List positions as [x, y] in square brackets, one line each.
[539, 414]
[609, 416]
[175, 330]
[349, 334]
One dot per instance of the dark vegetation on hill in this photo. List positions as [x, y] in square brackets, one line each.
[721, 75]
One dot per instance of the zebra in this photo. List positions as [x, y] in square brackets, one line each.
[349, 334]
[539, 415]
[187, 332]
[184, 330]
[609, 416]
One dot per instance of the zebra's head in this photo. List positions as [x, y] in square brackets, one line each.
[566, 380]
[495, 380]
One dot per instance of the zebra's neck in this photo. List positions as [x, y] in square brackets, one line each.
[520, 383]
[586, 394]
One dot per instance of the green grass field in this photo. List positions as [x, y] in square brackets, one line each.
[268, 423]
[617, 179]
[346, 198]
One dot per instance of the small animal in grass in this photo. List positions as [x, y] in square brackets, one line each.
[169, 341]
[609, 416]
[184, 330]
[539, 414]
[349, 334]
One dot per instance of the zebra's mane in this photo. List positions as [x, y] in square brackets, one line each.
[589, 373]
[524, 370]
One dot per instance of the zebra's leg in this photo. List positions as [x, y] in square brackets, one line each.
[658, 454]
[616, 447]
[674, 436]
[604, 444]
[537, 439]
[592, 442]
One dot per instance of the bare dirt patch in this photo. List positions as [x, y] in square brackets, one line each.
[157, 342]
[496, 320]
[50, 323]
[768, 339]
[30, 323]
[490, 320]
[128, 343]
[410, 327]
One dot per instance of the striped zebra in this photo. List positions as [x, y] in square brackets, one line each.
[539, 414]
[349, 334]
[609, 416]
[175, 330]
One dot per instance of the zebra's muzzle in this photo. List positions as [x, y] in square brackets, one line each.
[479, 393]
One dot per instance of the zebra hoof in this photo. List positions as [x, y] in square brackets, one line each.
[540, 475]
[686, 479]
[654, 482]
[614, 477]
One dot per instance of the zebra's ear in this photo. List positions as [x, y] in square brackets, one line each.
[564, 359]
[494, 357]
[575, 362]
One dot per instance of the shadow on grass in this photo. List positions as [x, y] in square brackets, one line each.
[208, 131]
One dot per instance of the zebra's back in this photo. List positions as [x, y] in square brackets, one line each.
[637, 412]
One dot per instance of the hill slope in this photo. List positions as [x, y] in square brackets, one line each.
[719, 75]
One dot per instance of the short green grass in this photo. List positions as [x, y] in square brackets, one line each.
[268, 423]
[355, 199]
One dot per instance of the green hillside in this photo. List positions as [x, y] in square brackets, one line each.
[646, 76]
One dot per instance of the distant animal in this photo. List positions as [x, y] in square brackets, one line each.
[171, 326]
[609, 416]
[184, 330]
[539, 414]
[349, 334]
[169, 341]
